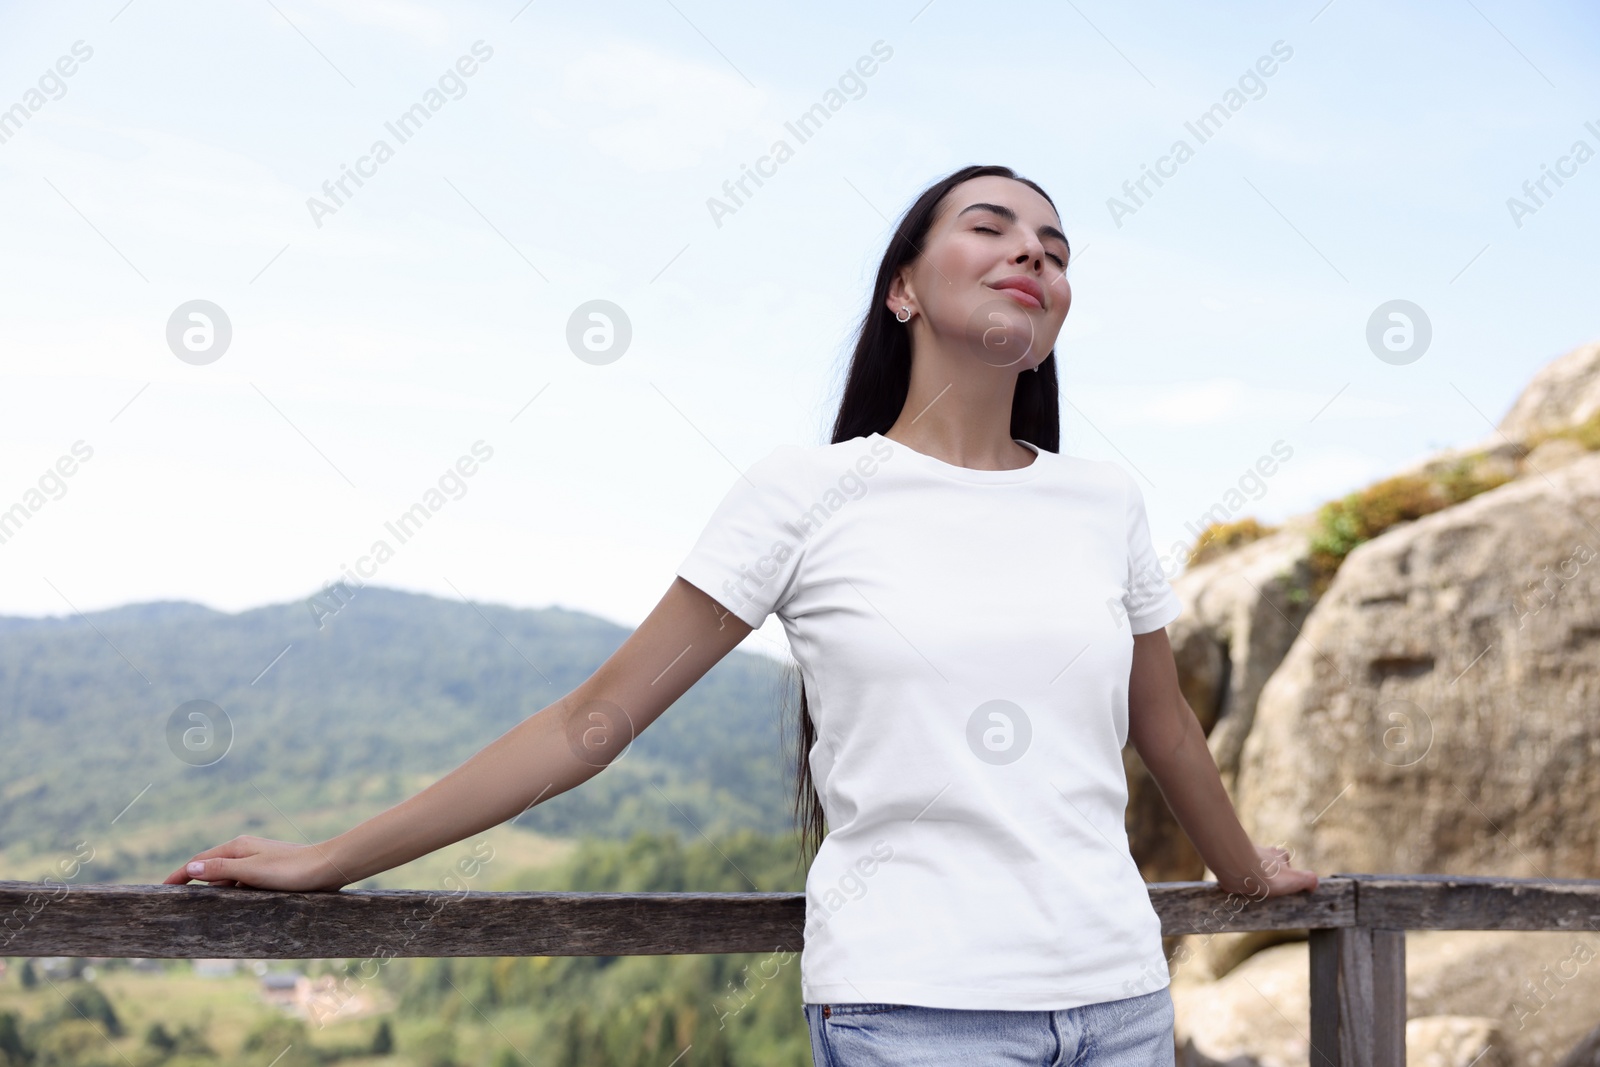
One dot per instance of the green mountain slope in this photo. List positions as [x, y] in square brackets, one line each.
[331, 724]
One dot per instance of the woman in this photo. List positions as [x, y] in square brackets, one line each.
[979, 624]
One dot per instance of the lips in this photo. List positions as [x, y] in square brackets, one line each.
[1024, 287]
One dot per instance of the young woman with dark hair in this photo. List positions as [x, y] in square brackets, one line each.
[978, 624]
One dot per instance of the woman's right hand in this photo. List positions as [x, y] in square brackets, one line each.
[262, 863]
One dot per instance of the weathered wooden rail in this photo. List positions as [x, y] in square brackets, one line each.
[1356, 922]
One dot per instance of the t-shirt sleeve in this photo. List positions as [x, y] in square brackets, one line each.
[747, 557]
[1149, 600]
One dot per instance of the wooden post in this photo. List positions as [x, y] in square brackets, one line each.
[1324, 998]
[1358, 997]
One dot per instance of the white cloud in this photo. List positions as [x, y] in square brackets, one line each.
[655, 112]
[86, 135]
[414, 20]
[162, 187]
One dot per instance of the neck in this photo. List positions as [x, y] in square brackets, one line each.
[958, 407]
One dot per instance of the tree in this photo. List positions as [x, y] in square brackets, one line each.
[382, 1039]
[191, 1042]
[156, 1037]
[87, 1002]
[13, 1050]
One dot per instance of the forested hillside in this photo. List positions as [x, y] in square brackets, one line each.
[333, 718]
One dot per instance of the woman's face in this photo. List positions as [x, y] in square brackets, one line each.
[992, 242]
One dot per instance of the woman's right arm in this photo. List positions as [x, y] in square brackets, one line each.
[548, 753]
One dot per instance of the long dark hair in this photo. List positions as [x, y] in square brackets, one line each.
[875, 392]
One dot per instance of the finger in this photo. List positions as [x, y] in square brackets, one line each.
[181, 876]
[189, 872]
[213, 869]
[238, 848]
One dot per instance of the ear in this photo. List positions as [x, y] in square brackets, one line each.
[900, 294]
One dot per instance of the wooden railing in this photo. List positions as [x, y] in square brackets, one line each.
[1357, 925]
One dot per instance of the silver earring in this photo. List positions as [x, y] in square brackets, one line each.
[905, 314]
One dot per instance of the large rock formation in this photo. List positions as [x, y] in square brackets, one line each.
[1436, 710]
[1440, 711]
[1564, 392]
[1250, 604]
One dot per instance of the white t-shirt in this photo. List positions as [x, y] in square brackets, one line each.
[966, 638]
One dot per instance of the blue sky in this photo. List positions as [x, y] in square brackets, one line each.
[375, 344]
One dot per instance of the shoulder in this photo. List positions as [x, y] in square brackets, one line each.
[776, 484]
[1107, 475]
[781, 469]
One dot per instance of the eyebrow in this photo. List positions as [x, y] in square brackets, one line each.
[1011, 216]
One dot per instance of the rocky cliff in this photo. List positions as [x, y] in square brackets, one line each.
[1420, 697]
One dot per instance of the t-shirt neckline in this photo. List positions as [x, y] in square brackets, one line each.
[969, 474]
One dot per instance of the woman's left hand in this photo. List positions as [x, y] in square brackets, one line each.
[1275, 877]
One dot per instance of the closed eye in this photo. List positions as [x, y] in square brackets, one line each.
[1059, 262]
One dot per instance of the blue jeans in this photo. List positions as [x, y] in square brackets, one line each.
[1133, 1032]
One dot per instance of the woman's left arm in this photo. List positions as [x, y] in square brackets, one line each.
[1169, 740]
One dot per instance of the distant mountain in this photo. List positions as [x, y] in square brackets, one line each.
[333, 724]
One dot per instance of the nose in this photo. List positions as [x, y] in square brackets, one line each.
[1031, 250]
